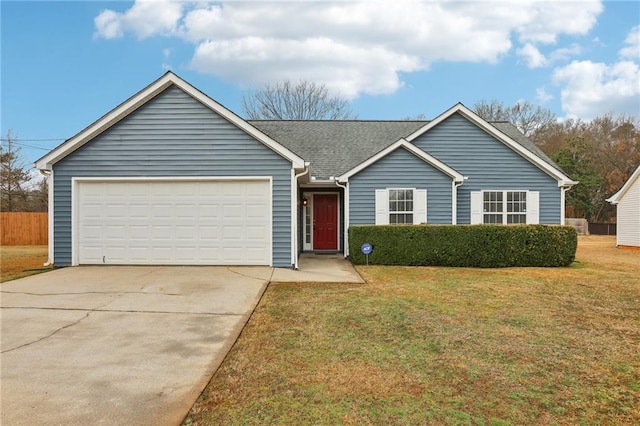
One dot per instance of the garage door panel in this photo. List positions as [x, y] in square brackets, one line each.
[162, 222]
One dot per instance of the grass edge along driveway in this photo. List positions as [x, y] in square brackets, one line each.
[22, 261]
[424, 345]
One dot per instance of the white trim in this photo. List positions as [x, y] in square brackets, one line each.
[562, 179]
[75, 181]
[403, 143]
[142, 97]
[294, 220]
[615, 198]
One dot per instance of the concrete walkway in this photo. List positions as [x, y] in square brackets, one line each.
[325, 268]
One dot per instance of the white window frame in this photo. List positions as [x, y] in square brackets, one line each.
[383, 211]
[400, 213]
[531, 208]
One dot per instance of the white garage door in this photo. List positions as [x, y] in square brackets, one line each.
[173, 222]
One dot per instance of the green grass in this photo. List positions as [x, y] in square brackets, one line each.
[428, 345]
[22, 261]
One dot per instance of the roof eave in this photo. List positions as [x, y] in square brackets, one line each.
[403, 143]
[615, 198]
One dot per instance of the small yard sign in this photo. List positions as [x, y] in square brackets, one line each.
[366, 250]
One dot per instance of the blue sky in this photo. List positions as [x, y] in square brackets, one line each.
[65, 64]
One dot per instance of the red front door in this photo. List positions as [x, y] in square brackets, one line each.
[325, 222]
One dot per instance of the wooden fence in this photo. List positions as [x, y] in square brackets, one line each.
[23, 229]
[602, 228]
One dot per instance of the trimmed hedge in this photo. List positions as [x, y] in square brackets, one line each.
[480, 246]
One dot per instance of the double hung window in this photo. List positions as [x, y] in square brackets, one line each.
[504, 207]
[400, 206]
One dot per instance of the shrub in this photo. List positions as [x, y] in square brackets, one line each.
[481, 246]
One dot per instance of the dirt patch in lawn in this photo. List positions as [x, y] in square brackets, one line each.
[22, 261]
[423, 345]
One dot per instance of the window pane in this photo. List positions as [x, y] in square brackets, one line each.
[400, 206]
[516, 218]
[493, 218]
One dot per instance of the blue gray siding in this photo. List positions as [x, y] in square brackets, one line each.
[174, 135]
[399, 169]
[489, 164]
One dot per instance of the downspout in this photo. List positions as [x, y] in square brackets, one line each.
[294, 197]
[563, 201]
[454, 200]
[49, 176]
[345, 238]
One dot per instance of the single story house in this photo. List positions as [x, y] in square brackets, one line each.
[627, 201]
[170, 176]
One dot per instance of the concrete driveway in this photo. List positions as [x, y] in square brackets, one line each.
[118, 345]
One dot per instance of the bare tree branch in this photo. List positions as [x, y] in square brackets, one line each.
[303, 101]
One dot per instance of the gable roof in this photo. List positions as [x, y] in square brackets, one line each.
[615, 198]
[542, 162]
[334, 147]
[402, 143]
[144, 96]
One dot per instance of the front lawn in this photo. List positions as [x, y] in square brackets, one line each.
[426, 345]
[22, 261]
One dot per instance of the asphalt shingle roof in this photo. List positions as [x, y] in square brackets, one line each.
[334, 147]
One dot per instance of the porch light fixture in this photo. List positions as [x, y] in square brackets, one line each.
[304, 201]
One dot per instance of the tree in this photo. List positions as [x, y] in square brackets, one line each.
[302, 101]
[14, 177]
[581, 200]
[601, 154]
[528, 118]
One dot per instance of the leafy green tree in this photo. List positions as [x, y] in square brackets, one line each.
[581, 200]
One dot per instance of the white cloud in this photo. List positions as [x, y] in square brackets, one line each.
[348, 70]
[145, 18]
[352, 46]
[532, 56]
[542, 97]
[549, 19]
[591, 89]
[632, 45]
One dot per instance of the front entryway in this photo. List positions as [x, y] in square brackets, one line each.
[325, 222]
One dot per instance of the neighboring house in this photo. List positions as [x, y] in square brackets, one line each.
[627, 201]
[172, 177]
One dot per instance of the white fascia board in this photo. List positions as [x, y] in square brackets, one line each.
[142, 97]
[615, 198]
[562, 179]
[403, 143]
